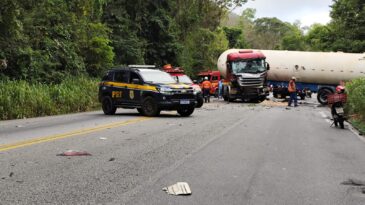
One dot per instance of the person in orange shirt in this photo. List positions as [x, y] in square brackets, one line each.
[207, 85]
[292, 89]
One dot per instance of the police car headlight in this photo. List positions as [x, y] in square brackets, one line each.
[165, 90]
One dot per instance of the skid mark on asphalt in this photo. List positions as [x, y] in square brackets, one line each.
[24, 143]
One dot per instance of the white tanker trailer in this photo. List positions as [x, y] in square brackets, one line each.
[318, 71]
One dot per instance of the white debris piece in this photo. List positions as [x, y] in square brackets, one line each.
[103, 138]
[180, 188]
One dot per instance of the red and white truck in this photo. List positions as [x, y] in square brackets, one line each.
[245, 74]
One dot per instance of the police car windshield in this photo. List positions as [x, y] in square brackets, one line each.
[155, 76]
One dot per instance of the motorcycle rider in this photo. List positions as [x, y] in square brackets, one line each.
[337, 106]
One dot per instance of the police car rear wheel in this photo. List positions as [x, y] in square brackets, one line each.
[108, 106]
[149, 107]
[185, 112]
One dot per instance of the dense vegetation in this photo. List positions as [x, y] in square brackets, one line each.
[19, 99]
[356, 100]
[43, 42]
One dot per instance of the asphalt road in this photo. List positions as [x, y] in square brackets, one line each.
[236, 153]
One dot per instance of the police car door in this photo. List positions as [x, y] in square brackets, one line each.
[135, 86]
[119, 93]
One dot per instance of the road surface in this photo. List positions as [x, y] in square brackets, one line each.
[236, 153]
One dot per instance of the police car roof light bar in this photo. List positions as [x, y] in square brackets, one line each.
[142, 66]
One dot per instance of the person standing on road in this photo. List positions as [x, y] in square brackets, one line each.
[220, 88]
[293, 92]
[206, 89]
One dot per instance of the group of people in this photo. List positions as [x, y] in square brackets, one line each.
[207, 86]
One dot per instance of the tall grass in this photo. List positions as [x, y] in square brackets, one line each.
[19, 99]
[356, 98]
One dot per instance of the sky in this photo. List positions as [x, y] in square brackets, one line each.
[307, 11]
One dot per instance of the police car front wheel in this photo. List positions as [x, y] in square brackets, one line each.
[108, 106]
[186, 111]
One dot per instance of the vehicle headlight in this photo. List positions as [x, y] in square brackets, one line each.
[165, 90]
[197, 90]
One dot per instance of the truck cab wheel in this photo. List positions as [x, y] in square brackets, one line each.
[186, 111]
[108, 106]
[149, 107]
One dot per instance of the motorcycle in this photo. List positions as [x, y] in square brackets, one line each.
[336, 102]
[338, 114]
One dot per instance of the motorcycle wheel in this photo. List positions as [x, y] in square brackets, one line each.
[336, 123]
[341, 122]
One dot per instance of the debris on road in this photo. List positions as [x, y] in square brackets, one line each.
[354, 182]
[180, 188]
[273, 103]
[74, 153]
[103, 138]
[111, 159]
[11, 174]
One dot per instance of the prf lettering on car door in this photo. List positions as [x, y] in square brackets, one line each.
[116, 94]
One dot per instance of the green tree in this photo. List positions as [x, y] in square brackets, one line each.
[348, 24]
[319, 37]
[202, 49]
[235, 37]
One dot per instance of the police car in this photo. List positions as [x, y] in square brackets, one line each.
[145, 88]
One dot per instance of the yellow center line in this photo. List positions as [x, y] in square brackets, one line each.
[39, 140]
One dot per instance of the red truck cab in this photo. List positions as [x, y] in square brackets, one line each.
[213, 76]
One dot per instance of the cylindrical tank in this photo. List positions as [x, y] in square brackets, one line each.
[308, 67]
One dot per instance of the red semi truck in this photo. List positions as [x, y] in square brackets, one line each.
[245, 72]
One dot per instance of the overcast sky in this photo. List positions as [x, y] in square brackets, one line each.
[307, 11]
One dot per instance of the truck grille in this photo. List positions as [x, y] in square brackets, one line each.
[251, 81]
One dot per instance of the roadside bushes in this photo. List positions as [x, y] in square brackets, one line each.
[19, 99]
[356, 98]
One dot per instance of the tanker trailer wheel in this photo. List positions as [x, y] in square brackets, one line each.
[322, 95]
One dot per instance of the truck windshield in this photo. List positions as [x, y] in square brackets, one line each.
[183, 79]
[154, 76]
[249, 66]
[201, 78]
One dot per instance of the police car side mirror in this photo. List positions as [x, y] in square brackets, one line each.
[267, 66]
[136, 81]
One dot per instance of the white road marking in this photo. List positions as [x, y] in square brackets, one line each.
[323, 114]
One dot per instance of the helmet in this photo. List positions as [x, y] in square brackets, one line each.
[205, 78]
[340, 89]
[293, 78]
